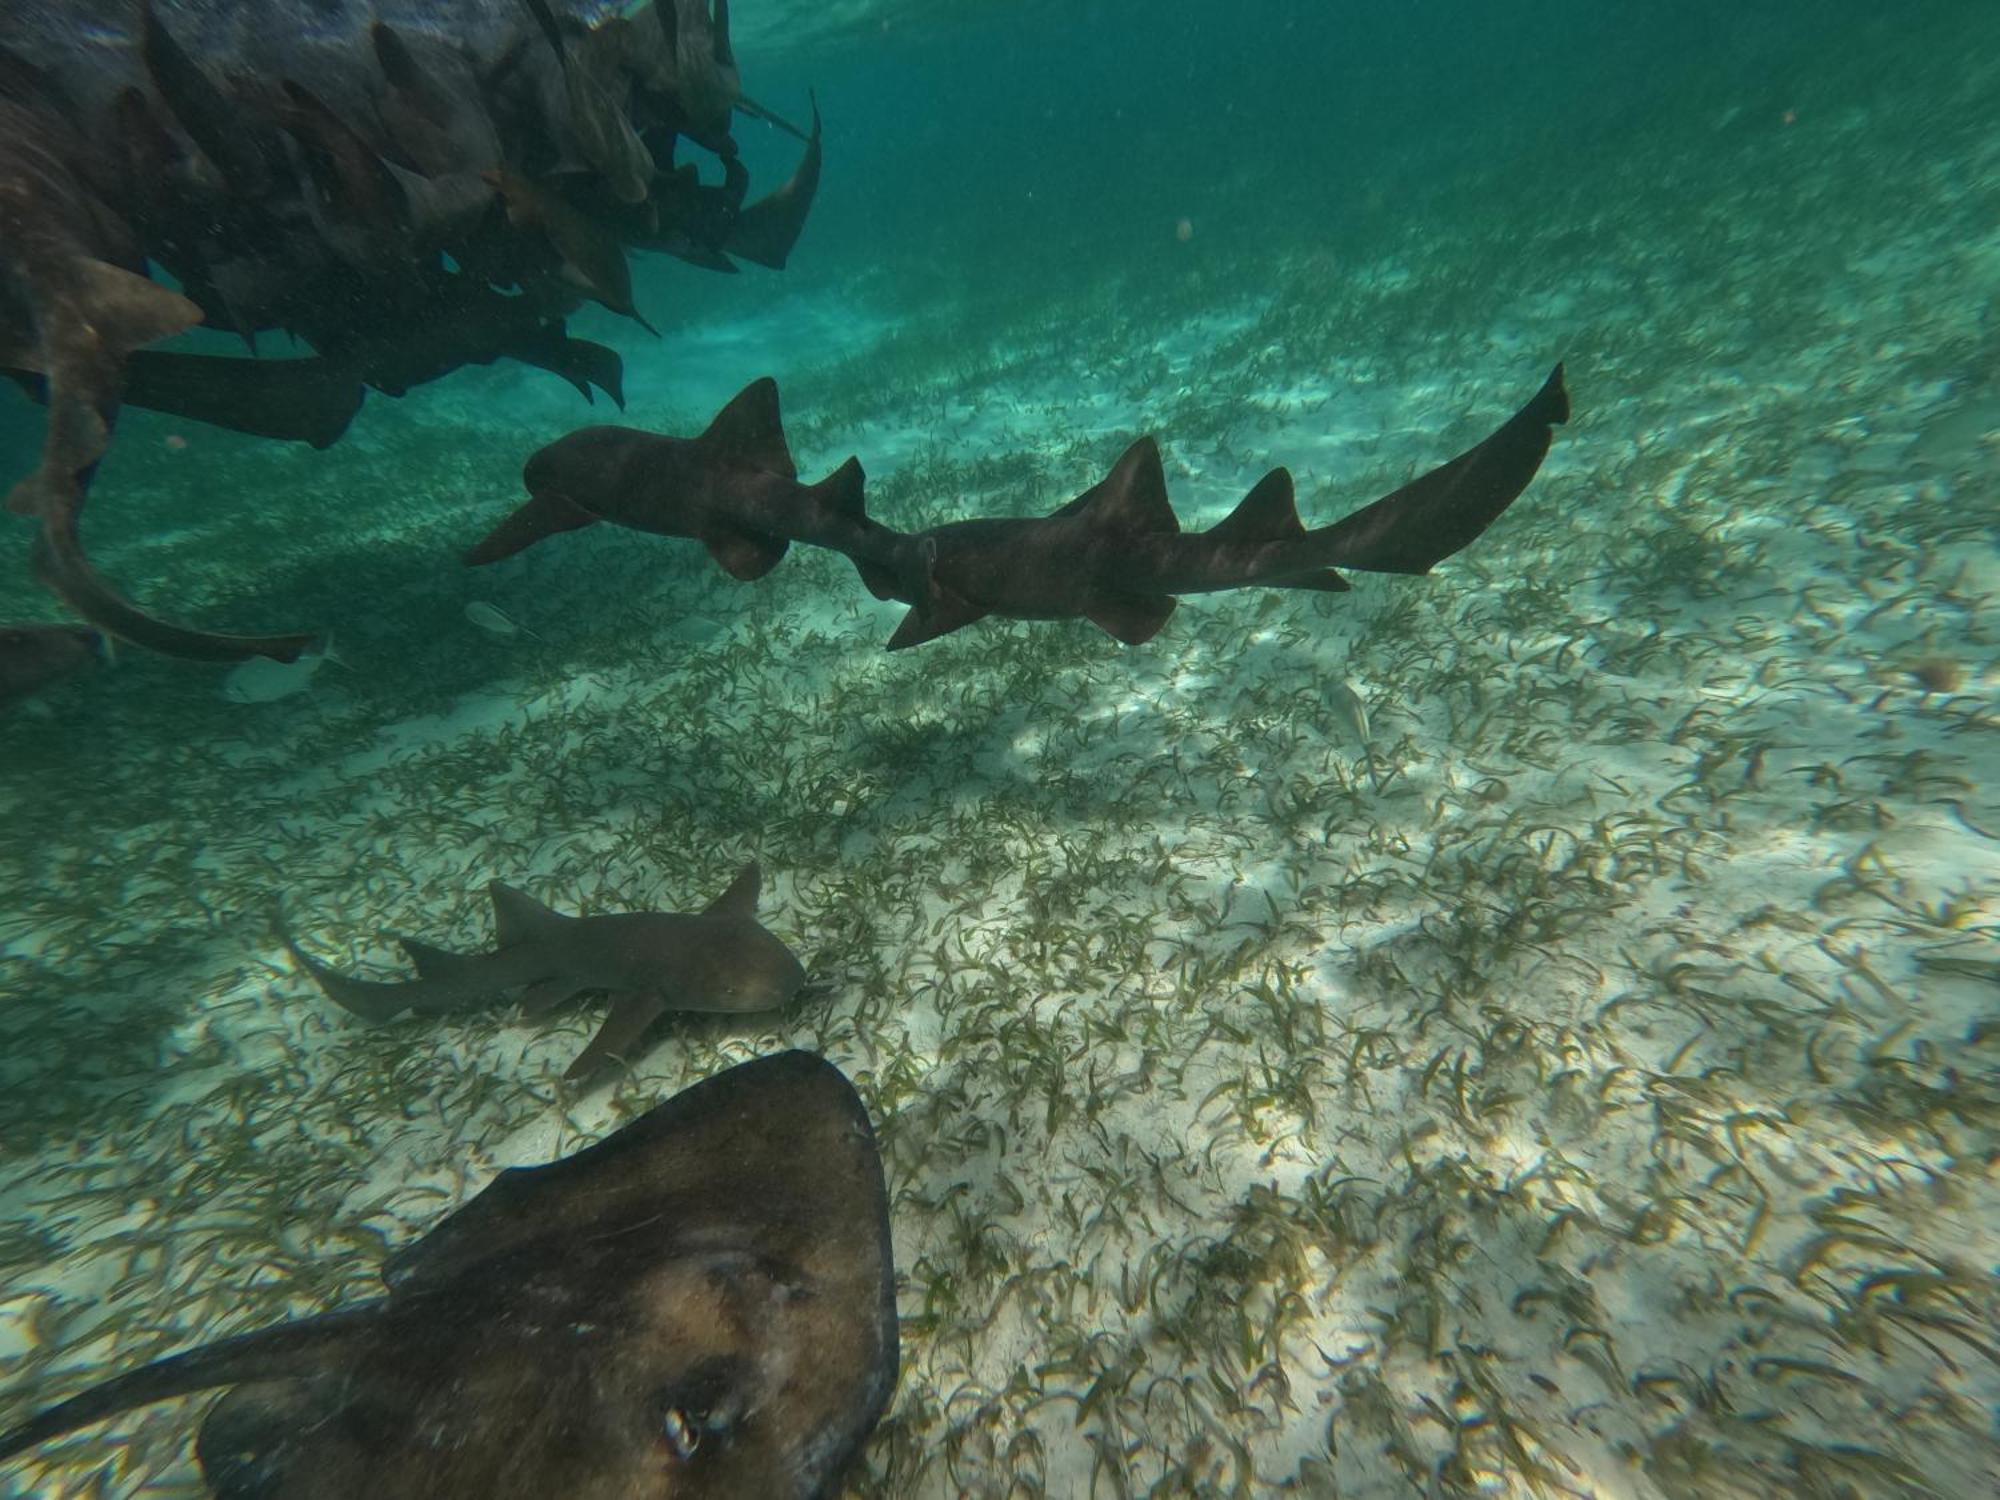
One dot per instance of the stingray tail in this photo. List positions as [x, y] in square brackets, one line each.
[289, 1351]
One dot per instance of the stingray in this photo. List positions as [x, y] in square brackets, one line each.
[1117, 557]
[734, 488]
[717, 959]
[702, 1304]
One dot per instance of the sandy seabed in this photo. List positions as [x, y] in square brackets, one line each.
[1587, 1086]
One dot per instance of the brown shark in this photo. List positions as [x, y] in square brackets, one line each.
[717, 959]
[1117, 557]
[699, 1307]
[33, 656]
[734, 488]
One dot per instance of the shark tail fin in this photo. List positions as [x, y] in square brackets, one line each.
[372, 1002]
[739, 899]
[751, 430]
[841, 491]
[1414, 528]
[766, 232]
[543, 516]
[519, 918]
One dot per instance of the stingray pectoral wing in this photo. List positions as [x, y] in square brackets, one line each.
[758, 1190]
[291, 1351]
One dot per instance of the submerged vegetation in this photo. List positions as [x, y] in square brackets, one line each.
[1587, 1088]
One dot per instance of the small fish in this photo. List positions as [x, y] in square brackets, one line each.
[493, 622]
[1351, 709]
[262, 680]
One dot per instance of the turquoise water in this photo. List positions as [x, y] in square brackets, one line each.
[1585, 1085]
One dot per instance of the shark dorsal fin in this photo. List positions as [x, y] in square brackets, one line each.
[750, 430]
[740, 899]
[841, 491]
[1269, 513]
[1132, 497]
[519, 917]
[1131, 619]
[439, 964]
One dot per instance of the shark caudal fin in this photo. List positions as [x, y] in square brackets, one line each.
[365, 998]
[520, 918]
[543, 516]
[749, 430]
[1435, 514]
[766, 231]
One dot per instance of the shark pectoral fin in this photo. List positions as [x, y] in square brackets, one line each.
[361, 997]
[931, 623]
[751, 430]
[128, 311]
[545, 515]
[520, 918]
[944, 613]
[740, 899]
[1131, 618]
[744, 555]
[632, 1011]
[1326, 581]
[544, 995]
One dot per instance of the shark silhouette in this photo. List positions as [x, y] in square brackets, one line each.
[1117, 557]
[734, 488]
[717, 959]
[33, 656]
[405, 195]
[699, 1307]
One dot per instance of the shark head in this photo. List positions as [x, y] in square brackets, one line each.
[579, 467]
[744, 968]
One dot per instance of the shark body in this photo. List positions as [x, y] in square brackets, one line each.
[1116, 555]
[717, 959]
[734, 488]
[407, 188]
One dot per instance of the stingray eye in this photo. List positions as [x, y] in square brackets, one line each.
[681, 1433]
